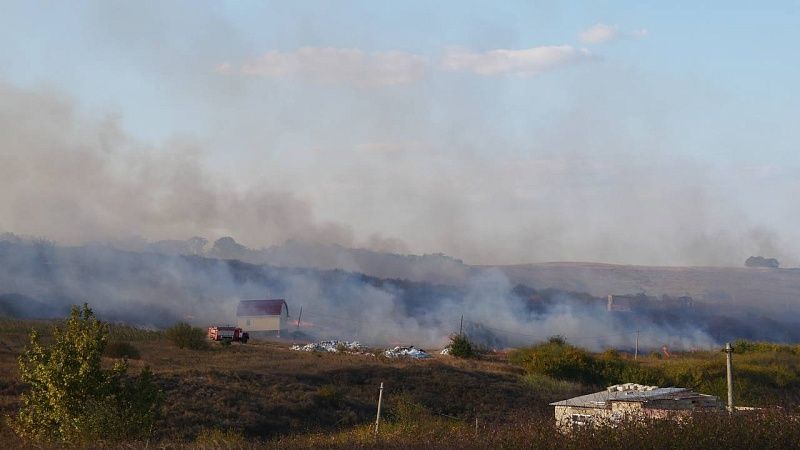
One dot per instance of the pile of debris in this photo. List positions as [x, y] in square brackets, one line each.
[406, 352]
[333, 346]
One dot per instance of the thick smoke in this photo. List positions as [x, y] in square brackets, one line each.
[148, 289]
[75, 181]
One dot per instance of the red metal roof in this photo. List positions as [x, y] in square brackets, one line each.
[271, 307]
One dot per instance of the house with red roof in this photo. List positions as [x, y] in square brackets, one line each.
[269, 316]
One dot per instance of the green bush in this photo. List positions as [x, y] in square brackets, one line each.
[72, 399]
[555, 358]
[123, 350]
[461, 347]
[558, 359]
[186, 336]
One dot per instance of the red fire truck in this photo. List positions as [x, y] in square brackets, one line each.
[233, 334]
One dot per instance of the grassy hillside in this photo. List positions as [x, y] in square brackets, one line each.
[265, 394]
[265, 389]
[765, 289]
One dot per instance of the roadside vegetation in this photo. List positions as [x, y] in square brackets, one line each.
[765, 374]
[71, 398]
[186, 336]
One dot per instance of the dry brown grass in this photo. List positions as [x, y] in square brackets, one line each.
[264, 389]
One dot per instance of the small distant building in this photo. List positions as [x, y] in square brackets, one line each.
[629, 400]
[620, 303]
[263, 316]
[682, 302]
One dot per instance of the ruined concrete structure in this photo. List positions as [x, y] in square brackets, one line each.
[631, 400]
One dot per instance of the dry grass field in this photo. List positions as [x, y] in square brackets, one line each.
[264, 390]
[265, 395]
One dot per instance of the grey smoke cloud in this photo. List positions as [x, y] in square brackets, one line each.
[148, 289]
[604, 168]
[73, 179]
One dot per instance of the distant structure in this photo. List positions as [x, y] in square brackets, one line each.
[628, 400]
[263, 316]
[682, 302]
[620, 303]
[645, 303]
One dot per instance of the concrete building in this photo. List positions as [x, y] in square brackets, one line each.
[631, 400]
[263, 316]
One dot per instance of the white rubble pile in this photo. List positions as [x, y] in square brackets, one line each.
[333, 346]
[408, 352]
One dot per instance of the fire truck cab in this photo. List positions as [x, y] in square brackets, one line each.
[233, 334]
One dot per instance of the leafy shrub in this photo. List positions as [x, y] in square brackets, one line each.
[563, 361]
[72, 399]
[610, 354]
[186, 336]
[121, 350]
[558, 359]
[461, 347]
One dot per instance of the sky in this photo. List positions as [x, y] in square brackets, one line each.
[497, 132]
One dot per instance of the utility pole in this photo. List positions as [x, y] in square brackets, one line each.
[378, 417]
[461, 328]
[299, 316]
[636, 352]
[729, 352]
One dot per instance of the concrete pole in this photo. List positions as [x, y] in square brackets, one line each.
[378, 417]
[729, 352]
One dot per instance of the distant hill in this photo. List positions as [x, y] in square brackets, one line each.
[770, 290]
[767, 289]
[435, 268]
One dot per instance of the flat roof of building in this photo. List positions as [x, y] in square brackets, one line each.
[638, 393]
